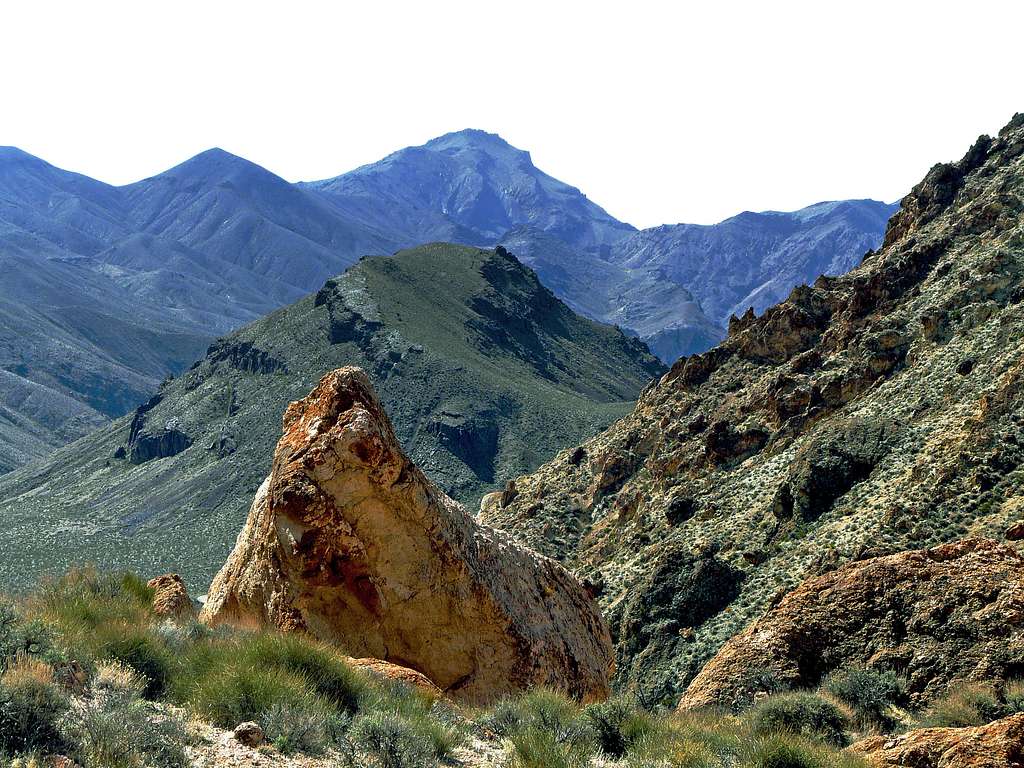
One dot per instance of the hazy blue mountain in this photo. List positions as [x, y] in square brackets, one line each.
[755, 259]
[113, 288]
[472, 187]
[234, 210]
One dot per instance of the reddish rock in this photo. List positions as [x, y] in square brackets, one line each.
[951, 613]
[996, 745]
[170, 597]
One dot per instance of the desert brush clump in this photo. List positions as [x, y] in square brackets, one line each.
[973, 704]
[870, 693]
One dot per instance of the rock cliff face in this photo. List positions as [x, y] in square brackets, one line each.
[938, 616]
[880, 410]
[996, 745]
[349, 541]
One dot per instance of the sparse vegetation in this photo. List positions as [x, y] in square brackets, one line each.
[71, 686]
[870, 693]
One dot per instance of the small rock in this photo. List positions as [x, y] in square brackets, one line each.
[1015, 532]
[170, 598]
[250, 734]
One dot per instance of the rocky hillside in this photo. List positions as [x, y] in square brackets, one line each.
[484, 372]
[869, 413]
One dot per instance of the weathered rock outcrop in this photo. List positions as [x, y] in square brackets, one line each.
[170, 598]
[951, 613]
[996, 745]
[349, 541]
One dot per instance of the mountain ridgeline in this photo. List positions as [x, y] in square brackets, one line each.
[484, 372]
[112, 289]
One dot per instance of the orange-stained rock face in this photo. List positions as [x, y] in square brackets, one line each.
[996, 745]
[395, 673]
[951, 613]
[349, 541]
[170, 598]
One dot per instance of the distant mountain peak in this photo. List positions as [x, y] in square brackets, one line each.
[474, 138]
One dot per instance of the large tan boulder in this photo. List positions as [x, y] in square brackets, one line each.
[350, 542]
[946, 614]
[996, 745]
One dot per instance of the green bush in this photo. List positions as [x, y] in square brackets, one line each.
[974, 704]
[31, 708]
[534, 747]
[143, 651]
[544, 710]
[799, 713]
[869, 692]
[237, 693]
[327, 674]
[389, 741]
[117, 732]
[618, 725]
[782, 750]
[435, 723]
[301, 727]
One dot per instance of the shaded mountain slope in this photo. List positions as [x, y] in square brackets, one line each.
[469, 186]
[878, 411]
[483, 371]
[755, 259]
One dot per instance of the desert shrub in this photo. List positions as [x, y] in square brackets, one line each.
[141, 650]
[869, 692]
[26, 637]
[435, 723]
[799, 713]
[974, 704]
[783, 750]
[389, 741]
[327, 674]
[544, 710]
[112, 678]
[31, 708]
[618, 725]
[237, 693]
[757, 681]
[117, 732]
[301, 727]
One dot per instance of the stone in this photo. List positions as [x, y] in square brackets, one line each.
[996, 745]
[158, 444]
[1015, 532]
[250, 734]
[170, 597]
[938, 616]
[395, 673]
[349, 541]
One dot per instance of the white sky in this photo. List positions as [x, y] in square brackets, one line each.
[659, 111]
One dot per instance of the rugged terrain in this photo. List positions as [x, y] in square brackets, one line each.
[484, 372]
[114, 288]
[867, 414]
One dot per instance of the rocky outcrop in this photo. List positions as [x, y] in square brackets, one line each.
[158, 444]
[936, 616]
[170, 598]
[397, 674]
[349, 541]
[996, 745]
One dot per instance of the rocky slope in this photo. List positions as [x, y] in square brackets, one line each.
[348, 540]
[876, 411]
[996, 745]
[939, 616]
[484, 372]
